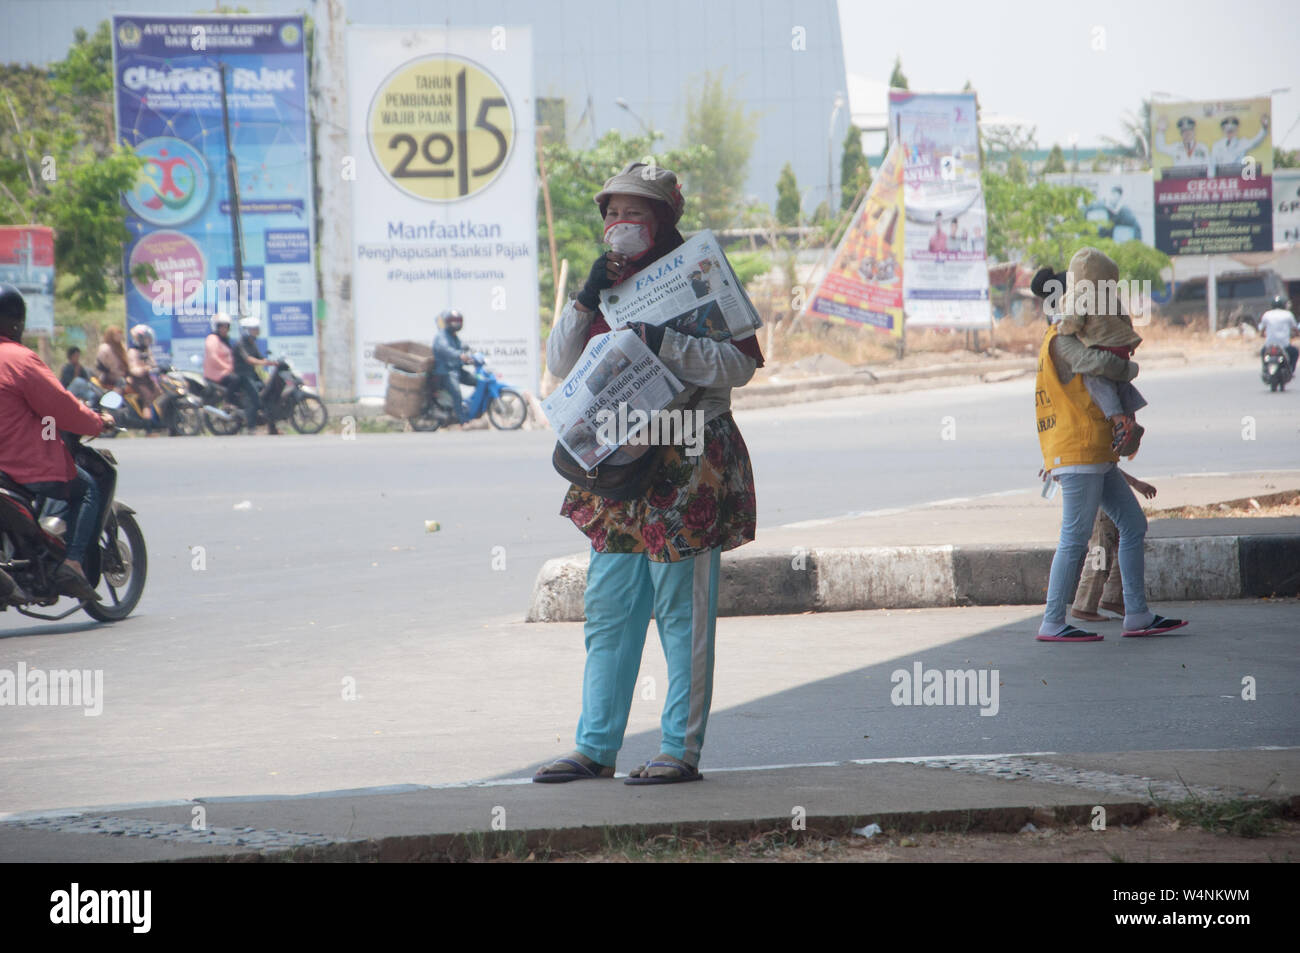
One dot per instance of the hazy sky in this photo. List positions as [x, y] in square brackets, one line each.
[1036, 60]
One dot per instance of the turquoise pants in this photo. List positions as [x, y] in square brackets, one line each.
[622, 590]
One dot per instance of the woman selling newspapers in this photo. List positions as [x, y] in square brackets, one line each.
[659, 552]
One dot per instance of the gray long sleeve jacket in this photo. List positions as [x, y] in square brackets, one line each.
[717, 366]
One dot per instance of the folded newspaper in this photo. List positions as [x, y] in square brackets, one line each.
[611, 398]
[692, 289]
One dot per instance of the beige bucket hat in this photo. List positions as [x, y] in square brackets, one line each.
[647, 181]
[1091, 304]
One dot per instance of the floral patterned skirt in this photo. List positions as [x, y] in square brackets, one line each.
[693, 504]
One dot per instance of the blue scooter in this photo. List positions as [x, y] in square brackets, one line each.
[505, 407]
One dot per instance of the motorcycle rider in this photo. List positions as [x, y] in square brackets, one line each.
[141, 367]
[1278, 326]
[219, 359]
[247, 358]
[449, 356]
[31, 396]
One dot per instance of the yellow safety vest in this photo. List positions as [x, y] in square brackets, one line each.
[1071, 428]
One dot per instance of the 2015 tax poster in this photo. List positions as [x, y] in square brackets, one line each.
[445, 201]
[180, 257]
[1213, 168]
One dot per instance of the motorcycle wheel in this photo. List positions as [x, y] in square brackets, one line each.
[187, 421]
[509, 411]
[309, 414]
[1272, 387]
[122, 590]
[225, 428]
[426, 421]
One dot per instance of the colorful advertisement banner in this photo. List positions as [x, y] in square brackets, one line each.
[864, 284]
[27, 263]
[180, 258]
[1121, 203]
[1213, 168]
[947, 282]
[445, 197]
[1286, 207]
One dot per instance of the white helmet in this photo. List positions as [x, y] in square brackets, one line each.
[250, 323]
[142, 335]
[219, 319]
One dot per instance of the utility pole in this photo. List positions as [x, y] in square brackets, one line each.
[232, 181]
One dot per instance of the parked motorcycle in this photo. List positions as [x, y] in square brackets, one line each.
[1276, 367]
[32, 546]
[176, 410]
[505, 407]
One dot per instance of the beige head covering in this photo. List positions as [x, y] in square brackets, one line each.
[647, 181]
[1091, 304]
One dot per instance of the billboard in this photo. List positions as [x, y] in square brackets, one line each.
[1213, 166]
[27, 263]
[1122, 203]
[864, 284]
[444, 197]
[1286, 207]
[947, 282]
[180, 257]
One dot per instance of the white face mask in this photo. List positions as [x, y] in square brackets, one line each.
[629, 238]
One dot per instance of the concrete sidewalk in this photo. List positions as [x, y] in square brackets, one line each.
[411, 823]
[990, 550]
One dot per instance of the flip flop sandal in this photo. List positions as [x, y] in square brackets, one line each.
[578, 772]
[1070, 634]
[684, 773]
[1159, 626]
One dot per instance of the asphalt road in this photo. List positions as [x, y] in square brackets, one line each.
[331, 567]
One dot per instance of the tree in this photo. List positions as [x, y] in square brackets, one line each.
[1055, 159]
[1134, 143]
[787, 197]
[896, 79]
[855, 172]
[716, 119]
[59, 166]
[1037, 222]
[1283, 159]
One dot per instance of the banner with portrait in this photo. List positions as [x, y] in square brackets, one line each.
[1213, 167]
[1122, 203]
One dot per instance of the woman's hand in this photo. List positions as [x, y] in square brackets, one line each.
[605, 272]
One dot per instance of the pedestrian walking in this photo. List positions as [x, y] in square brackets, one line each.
[1076, 442]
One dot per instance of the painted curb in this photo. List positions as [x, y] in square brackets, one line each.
[767, 582]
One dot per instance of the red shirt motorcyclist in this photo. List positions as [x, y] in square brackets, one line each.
[34, 407]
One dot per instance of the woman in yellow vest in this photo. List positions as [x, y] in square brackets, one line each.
[1075, 437]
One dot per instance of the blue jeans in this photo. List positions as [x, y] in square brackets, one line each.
[77, 503]
[1081, 494]
[622, 590]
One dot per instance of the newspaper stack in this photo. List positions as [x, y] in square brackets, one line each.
[692, 289]
[618, 386]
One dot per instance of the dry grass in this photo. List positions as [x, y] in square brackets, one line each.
[1286, 503]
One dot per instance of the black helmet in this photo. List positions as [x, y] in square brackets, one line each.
[13, 312]
[1280, 302]
[452, 320]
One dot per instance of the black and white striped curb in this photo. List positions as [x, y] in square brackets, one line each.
[765, 582]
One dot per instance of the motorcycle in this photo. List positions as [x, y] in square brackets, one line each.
[505, 407]
[1276, 370]
[224, 415]
[176, 410]
[298, 403]
[32, 546]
